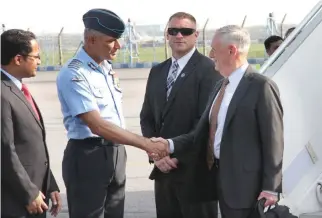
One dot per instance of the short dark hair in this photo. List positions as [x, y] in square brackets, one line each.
[288, 32]
[14, 42]
[271, 40]
[183, 15]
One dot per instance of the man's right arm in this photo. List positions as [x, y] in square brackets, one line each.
[13, 174]
[185, 142]
[180, 143]
[81, 103]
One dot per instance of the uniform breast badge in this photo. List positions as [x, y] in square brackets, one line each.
[116, 80]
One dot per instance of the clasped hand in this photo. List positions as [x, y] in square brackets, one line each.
[38, 206]
[164, 164]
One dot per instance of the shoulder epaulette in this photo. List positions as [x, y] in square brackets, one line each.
[75, 64]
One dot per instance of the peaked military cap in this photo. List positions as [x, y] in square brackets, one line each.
[104, 21]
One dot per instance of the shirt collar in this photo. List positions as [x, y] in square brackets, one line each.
[238, 74]
[184, 60]
[82, 55]
[17, 82]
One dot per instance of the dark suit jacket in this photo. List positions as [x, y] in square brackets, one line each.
[252, 143]
[24, 156]
[180, 114]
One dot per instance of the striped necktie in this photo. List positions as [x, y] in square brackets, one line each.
[172, 77]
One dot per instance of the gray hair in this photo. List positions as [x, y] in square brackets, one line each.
[90, 32]
[236, 35]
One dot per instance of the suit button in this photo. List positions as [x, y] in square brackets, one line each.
[162, 124]
[46, 163]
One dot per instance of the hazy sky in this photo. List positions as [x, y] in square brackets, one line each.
[50, 16]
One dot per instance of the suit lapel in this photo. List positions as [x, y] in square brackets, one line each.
[202, 130]
[41, 121]
[238, 95]
[14, 89]
[161, 84]
[213, 96]
[186, 71]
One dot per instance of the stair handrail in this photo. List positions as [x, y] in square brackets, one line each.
[316, 9]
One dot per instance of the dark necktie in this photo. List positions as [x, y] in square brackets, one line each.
[213, 123]
[27, 94]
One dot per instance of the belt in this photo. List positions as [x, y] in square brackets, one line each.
[94, 141]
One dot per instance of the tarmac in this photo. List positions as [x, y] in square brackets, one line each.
[139, 189]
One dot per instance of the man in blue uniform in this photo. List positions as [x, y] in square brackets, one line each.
[90, 96]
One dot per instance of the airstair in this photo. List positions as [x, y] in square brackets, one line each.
[296, 67]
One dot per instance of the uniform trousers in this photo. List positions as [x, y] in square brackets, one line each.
[94, 176]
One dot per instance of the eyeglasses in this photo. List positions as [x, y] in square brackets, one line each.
[33, 56]
[183, 31]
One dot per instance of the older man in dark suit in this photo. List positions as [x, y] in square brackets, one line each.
[239, 138]
[176, 96]
[27, 182]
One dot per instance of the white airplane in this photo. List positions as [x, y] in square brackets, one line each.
[296, 67]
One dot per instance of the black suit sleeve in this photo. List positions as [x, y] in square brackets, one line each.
[206, 86]
[53, 184]
[270, 119]
[13, 173]
[146, 115]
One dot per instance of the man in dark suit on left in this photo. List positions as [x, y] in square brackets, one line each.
[27, 182]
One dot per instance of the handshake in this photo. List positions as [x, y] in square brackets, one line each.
[158, 149]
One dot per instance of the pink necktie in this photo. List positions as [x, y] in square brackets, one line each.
[27, 94]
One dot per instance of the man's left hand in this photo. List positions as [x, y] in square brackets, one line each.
[271, 199]
[56, 203]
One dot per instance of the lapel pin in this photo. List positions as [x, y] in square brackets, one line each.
[182, 75]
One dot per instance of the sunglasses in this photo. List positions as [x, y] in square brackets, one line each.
[183, 31]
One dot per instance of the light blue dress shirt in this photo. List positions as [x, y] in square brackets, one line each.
[17, 82]
[84, 86]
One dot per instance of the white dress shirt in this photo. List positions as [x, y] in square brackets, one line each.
[234, 80]
[182, 62]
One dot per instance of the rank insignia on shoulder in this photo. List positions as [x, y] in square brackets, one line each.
[77, 79]
[75, 64]
[92, 66]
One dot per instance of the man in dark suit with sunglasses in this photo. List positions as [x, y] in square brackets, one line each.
[176, 95]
